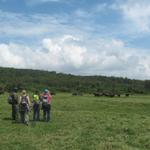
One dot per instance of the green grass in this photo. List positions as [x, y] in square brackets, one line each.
[82, 123]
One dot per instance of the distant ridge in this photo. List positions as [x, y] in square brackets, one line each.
[31, 79]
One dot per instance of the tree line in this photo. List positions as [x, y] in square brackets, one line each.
[36, 79]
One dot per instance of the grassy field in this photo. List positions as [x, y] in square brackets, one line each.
[82, 123]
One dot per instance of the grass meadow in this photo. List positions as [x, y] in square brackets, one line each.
[81, 123]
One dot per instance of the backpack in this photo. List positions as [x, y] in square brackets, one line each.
[12, 99]
[45, 101]
[24, 103]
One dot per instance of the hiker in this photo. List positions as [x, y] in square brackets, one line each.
[36, 106]
[46, 105]
[24, 107]
[13, 99]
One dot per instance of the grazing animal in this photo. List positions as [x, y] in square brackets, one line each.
[77, 94]
[127, 94]
[118, 95]
[111, 95]
[105, 94]
[53, 93]
[97, 94]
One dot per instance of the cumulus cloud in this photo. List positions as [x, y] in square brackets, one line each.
[79, 45]
[53, 54]
[8, 58]
[71, 55]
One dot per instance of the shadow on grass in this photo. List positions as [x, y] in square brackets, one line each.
[32, 123]
[7, 118]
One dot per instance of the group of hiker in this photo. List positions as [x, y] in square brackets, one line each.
[22, 104]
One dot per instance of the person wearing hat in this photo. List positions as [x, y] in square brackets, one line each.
[13, 99]
[24, 107]
[46, 105]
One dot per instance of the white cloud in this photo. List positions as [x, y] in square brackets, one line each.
[64, 52]
[71, 55]
[136, 14]
[70, 45]
[14, 24]
[41, 25]
[8, 58]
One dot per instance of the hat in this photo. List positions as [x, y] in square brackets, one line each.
[46, 91]
[15, 89]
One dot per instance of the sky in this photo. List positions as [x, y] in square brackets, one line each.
[81, 37]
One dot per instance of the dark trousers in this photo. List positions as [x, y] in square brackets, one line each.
[47, 112]
[15, 112]
[36, 112]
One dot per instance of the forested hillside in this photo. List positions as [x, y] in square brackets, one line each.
[36, 79]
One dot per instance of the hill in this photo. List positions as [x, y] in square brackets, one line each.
[37, 79]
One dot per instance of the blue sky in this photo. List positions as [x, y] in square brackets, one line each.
[86, 37]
